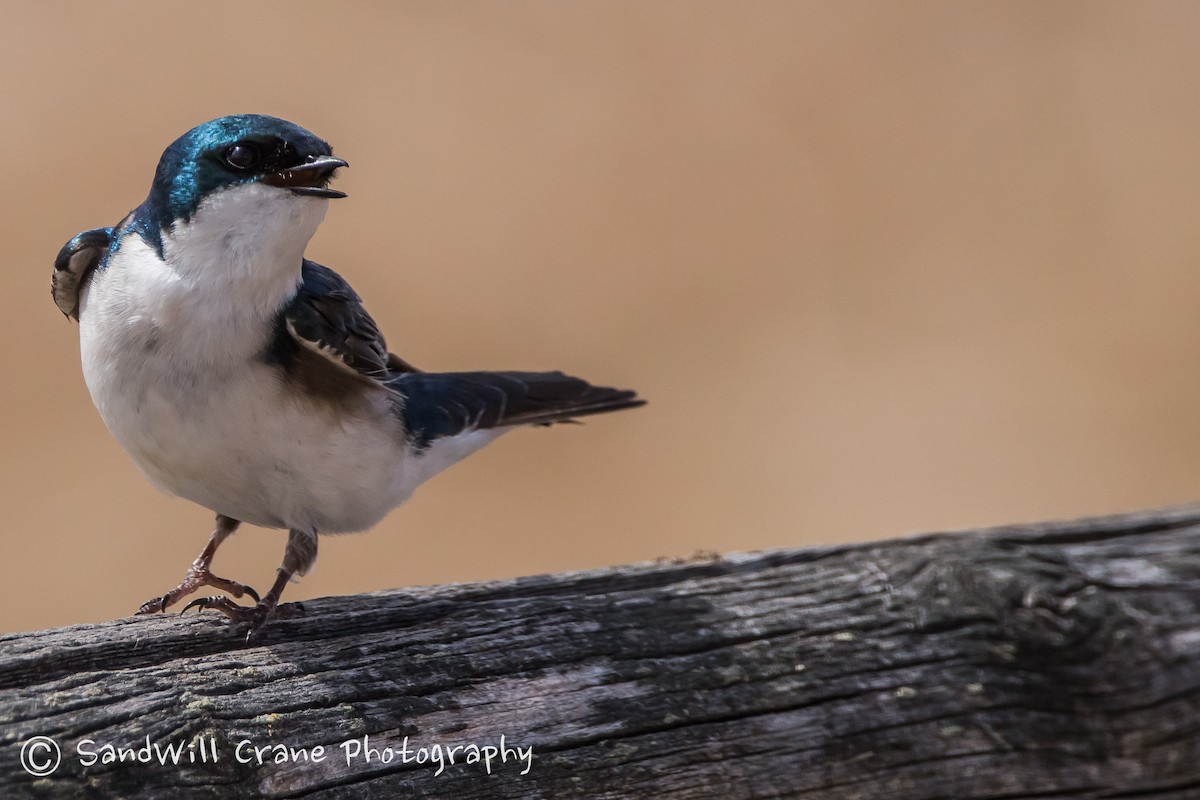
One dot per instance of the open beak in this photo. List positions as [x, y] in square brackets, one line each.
[310, 178]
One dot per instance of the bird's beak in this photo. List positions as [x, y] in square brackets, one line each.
[310, 178]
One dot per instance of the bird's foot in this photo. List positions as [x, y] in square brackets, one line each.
[197, 576]
[257, 615]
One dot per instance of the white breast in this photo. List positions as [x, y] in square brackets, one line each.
[172, 357]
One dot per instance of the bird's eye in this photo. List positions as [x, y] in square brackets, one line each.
[242, 156]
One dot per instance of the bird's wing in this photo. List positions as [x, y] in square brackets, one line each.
[327, 317]
[437, 405]
[328, 342]
[73, 267]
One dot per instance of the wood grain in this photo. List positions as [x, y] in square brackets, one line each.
[1058, 659]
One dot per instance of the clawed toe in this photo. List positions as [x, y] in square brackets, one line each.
[198, 574]
[195, 579]
[257, 615]
[224, 605]
[299, 555]
[154, 606]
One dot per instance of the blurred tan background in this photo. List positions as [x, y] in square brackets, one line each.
[879, 268]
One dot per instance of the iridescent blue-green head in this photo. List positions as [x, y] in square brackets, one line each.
[277, 168]
[237, 150]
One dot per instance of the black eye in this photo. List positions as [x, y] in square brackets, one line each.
[242, 156]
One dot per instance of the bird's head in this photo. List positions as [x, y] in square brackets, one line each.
[238, 151]
[239, 196]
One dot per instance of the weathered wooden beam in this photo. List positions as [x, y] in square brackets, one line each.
[1058, 659]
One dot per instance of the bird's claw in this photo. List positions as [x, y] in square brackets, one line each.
[154, 606]
[257, 615]
[193, 580]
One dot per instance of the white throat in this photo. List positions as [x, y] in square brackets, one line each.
[244, 245]
[211, 302]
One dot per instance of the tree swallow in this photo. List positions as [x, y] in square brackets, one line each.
[244, 377]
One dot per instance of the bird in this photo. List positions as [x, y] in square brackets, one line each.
[248, 379]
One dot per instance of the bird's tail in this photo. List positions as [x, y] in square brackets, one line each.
[448, 403]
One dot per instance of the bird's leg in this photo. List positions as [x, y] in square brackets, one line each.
[298, 557]
[198, 574]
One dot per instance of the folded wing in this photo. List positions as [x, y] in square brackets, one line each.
[328, 341]
[74, 265]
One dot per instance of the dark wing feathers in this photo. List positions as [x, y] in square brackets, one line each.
[328, 315]
[73, 267]
[444, 404]
[325, 334]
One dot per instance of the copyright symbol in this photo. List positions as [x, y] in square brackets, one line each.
[40, 756]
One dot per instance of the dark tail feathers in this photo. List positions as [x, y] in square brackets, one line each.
[445, 404]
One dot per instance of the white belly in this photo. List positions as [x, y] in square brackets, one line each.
[239, 445]
[175, 370]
